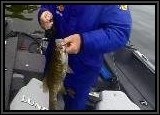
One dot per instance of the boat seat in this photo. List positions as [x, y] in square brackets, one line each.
[33, 97]
[115, 100]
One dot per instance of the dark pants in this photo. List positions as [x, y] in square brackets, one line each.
[77, 92]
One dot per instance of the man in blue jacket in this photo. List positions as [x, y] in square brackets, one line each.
[88, 31]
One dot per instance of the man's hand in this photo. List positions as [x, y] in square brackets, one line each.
[46, 20]
[72, 43]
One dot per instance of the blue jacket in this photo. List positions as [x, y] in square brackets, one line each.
[103, 29]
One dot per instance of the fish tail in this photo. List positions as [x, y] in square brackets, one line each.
[53, 100]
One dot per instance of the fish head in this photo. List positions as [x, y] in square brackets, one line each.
[62, 51]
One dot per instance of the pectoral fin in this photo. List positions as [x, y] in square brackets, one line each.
[69, 70]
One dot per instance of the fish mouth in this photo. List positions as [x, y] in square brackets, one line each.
[59, 45]
[59, 40]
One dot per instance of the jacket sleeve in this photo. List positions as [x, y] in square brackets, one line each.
[113, 33]
[51, 8]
